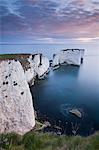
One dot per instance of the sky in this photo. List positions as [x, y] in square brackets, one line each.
[49, 21]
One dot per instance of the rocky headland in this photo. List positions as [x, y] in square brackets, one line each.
[17, 73]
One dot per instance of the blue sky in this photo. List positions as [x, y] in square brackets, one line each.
[49, 21]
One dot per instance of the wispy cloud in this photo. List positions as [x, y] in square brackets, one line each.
[87, 40]
[49, 20]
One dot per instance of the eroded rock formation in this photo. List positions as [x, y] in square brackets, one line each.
[38, 66]
[35, 65]
[68, 56]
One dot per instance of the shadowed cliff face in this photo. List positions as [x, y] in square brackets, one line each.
[38, 66]
[16, 108]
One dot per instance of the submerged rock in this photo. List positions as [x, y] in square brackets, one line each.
[76, 112]
[16, 107]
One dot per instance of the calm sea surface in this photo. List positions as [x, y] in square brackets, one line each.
[47, 49]
[68, 88]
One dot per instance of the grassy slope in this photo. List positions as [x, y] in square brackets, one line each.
[45, 141]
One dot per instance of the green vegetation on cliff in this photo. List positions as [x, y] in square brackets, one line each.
[45, 141]
[13, 56]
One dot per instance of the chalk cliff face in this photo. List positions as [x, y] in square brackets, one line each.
[38, 65]
[16, 108]
[69, 56]
[43, 66]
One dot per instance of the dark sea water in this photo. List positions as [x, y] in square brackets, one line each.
[67, 88]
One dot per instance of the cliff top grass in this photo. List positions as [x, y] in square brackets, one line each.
[21, 57]
[45, 141]
[13, 56]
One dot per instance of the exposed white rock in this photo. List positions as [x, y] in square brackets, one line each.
[38, 66]
[56, 59]
[43, 67]
[30, 72]
[16, 107]
[69, 56]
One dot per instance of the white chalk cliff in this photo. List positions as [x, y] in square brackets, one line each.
[68, 56]
[16, 107]
[38, 66]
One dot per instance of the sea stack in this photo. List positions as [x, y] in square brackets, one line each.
[68, 56]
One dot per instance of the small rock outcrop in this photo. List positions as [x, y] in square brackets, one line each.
[76, 112]
[16, 107]
[68, 56]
